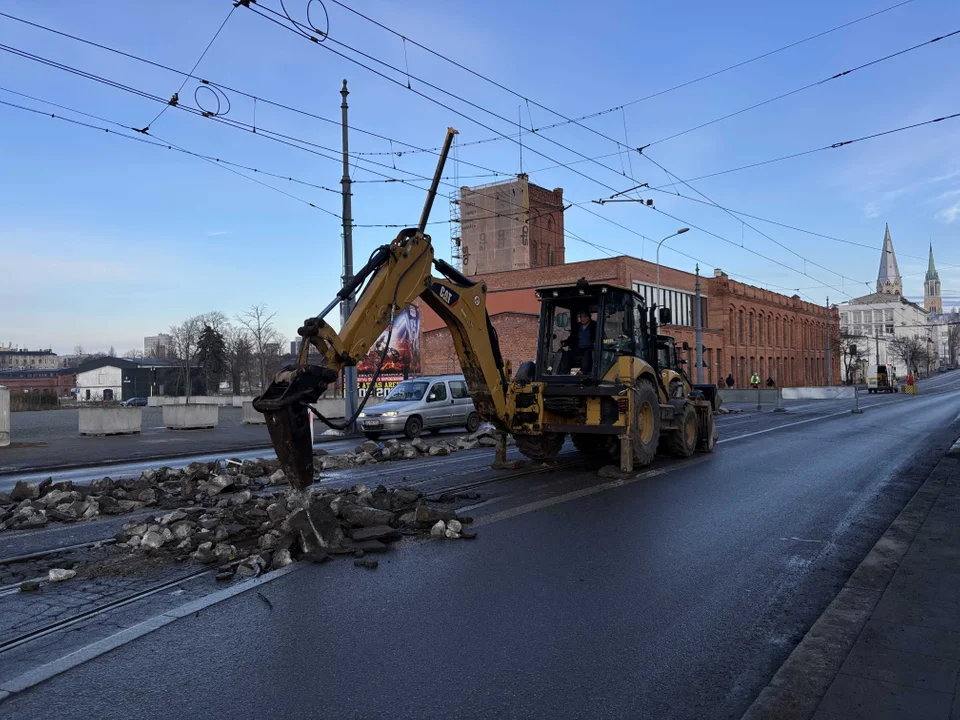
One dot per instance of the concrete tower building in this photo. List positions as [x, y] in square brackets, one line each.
[888, 279]
[931, 288]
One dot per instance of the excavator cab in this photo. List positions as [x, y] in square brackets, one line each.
[584, 329]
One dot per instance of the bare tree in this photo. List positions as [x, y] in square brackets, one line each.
[112, 352]
[133, 353]
[239, 356]
[953, 338]
[184, 349]
[852, 349]
[78, 351]
[263, 336]
[912, 351]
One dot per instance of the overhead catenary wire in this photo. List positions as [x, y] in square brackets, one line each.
[538, 153]
[204, 82]
[567, 121]
[175, 96]
[327, 46]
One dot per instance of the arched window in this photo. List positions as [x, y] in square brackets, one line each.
[733, 329]
[740, 327]
[750, 327]
[760, 330]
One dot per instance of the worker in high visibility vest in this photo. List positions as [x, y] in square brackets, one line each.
[754, 380]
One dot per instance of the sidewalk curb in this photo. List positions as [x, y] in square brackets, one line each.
[795, 691]
[155, 458]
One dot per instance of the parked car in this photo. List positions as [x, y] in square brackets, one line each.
[134, 402]
[418, 404]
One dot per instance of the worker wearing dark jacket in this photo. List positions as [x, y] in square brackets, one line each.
[582, 341]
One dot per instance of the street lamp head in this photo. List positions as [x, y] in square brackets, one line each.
[681, 231]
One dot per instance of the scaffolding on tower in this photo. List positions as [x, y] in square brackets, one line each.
[456, 258]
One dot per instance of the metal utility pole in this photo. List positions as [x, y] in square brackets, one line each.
[346, 307]
[876, 337]
[829, 358]
[698, 322]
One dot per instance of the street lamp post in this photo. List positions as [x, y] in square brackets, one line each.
[681, 231]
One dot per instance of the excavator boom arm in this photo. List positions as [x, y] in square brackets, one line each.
[398, 273]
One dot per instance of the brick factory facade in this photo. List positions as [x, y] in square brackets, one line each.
[745, 328]
[59, 382]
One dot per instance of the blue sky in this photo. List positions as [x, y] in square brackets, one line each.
[105, 240]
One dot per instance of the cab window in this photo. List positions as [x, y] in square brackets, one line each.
[458, 390]
[616, 333]
[437, 392]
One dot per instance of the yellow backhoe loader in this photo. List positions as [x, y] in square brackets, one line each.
[596, 378]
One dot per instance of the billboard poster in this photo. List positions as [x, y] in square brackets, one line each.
[402, 359]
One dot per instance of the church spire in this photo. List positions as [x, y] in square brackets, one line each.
[931, 288]
[931, 268]
[888, 279]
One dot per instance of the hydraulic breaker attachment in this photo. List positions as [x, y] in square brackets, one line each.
[284, 405]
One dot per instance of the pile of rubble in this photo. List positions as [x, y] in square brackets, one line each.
[249, 535]
[198, 485]
[728, 411]
[32, 505]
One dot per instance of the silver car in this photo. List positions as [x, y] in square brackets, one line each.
[426, 403]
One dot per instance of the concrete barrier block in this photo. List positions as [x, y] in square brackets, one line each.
[834, 392]
[190, 417]
[766, 396]
[4, 416]
[110, 420]
[251, 416]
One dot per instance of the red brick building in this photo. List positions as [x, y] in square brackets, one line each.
[510, 225]
[745, 328]
[56, 382]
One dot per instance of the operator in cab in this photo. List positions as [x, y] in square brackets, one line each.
[582, 340]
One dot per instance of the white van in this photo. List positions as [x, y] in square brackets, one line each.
[424, 403]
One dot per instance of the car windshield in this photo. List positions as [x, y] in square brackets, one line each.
[407, 390]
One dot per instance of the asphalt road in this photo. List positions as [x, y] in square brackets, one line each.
[677, 593]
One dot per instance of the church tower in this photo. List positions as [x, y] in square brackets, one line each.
[931, 288]
[888, 279]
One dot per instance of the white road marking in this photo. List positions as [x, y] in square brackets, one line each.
[577, 494]
[780, 427]
[802, 540]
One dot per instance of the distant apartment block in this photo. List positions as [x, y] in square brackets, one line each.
[12, 358]
[157, 346]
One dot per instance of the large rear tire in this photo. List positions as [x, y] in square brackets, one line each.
[646, 423]
[545, 446]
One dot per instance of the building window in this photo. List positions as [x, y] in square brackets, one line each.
[761, 376]
[776, 331]
[740, 373]
[733, 366]
[733, 337]
[740, 327]
[750, 327]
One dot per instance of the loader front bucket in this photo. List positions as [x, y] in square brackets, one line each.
[284, 405]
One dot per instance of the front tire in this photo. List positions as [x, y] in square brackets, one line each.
[545, 446]
[683, 442]
[645, 428]
[473, 422]
[413, 428]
